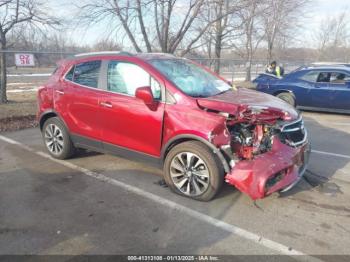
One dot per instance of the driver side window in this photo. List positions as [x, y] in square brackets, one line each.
[324, 77]
[125, 78]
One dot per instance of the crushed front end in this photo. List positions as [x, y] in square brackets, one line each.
[266, 154]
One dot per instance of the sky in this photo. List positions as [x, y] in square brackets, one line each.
[317, 11]
[320, 10]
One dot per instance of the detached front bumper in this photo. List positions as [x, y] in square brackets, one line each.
[277, 170]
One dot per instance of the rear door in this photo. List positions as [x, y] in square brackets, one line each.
[77, 101]
[127, 122]
[339, 86]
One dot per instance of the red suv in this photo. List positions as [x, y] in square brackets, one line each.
[169, 110]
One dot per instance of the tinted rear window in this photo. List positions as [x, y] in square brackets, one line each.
[86, 74]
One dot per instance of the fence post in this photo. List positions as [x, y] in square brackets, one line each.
[233, 70]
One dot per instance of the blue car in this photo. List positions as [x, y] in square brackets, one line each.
[320, 88]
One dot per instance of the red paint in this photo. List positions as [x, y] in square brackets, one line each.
[244, 101]
[250, 176]
[142, 124]
[145, 94]
[131, 123]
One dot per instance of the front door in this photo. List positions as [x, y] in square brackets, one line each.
[127, 121]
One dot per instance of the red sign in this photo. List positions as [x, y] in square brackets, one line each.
[24, 59]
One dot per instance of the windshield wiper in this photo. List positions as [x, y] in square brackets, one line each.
[200, 96]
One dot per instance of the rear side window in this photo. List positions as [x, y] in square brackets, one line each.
[86, 74]
[339, 78]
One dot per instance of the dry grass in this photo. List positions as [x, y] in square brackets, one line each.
[30, 70]
[20, 104]
[19, 112]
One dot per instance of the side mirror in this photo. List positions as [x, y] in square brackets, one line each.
[145, 94]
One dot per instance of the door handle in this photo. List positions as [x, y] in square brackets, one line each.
[60, 92]
[106, 104]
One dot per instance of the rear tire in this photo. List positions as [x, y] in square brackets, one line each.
[287, 97]
[57, 139]
[192, 170]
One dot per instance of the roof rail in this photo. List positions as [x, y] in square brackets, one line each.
[328, 63]
[104, 53]
[160, 53]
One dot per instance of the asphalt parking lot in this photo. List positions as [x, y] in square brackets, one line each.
[101, 204]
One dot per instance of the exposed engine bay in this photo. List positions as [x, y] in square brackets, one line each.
[248, 140]
[252, 129]
[251, 138]
[266, 157]
[265, 148]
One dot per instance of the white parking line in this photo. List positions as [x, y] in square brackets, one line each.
[330, 154]
[260, 240]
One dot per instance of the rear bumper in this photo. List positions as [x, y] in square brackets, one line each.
[277, 170]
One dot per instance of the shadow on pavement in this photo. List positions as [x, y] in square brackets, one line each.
[314, 177]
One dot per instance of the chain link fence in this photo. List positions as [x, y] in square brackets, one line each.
[235, 69]
[20, 79]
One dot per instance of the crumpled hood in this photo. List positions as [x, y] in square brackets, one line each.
[246, 103]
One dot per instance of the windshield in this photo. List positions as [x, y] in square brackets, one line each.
[190, 78]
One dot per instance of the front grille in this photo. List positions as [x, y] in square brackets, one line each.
[293, 134]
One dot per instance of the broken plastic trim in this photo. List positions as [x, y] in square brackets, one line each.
[302, 171]
[299, 123]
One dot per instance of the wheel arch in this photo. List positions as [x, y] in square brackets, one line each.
[284, 91]
[49, 114]
[184, 138]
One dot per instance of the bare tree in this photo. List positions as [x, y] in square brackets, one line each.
[333, 34]
[15, 13]
[153, 25]
[106, 45]
[280, 19]
[225, 27]
[252, 33]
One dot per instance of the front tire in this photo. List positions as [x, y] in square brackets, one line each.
[287, 97]
[57, 139]
[192, 170]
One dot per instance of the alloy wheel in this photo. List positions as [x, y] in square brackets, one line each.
[189, 174]
[54, 139]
